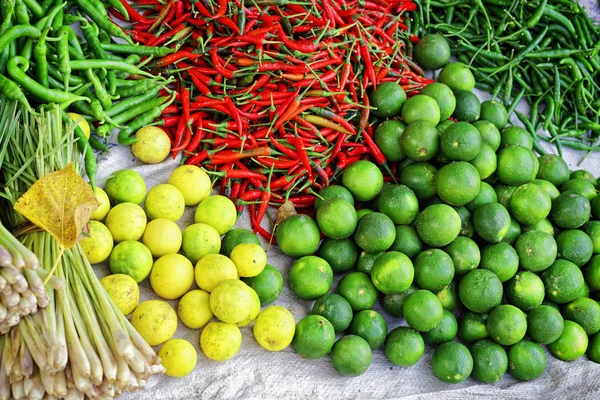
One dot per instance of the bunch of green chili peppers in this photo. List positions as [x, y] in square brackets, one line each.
[545, 51]
[43, 61]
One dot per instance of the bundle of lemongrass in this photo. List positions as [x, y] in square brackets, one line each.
[80, 345]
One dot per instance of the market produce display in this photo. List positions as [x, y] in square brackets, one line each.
[349, 135]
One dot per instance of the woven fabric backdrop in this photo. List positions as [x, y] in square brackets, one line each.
[257, 373]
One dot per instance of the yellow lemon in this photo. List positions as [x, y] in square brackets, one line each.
[162, 236]
[172, 276]
[81, 122]
[194, 184]
[194, 309]
[155, 321]
[164, 201]
[200, 240]
[249, 259]
[125, 186]
[123, 290]
[132, 258]
[98, 246]
[255, 309]
[100, 213]
[274, 328]
[214, 269]
[126, 221]
[153, 145]
[231, 301]
[218, 212]
[179, 357]
[220, 341]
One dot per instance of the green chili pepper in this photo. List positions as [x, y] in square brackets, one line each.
[41, 63]
[91, 167]
[137, 49]
[35, 8]
[134, 101]
[78, 65]
[102, 21]
[97, 144]
[142, 87]
[11, 90]
[91, 37]
[130, 114]
[145, 119]
[22, 16]
[17, 31]
[40, 25]
[33, 87]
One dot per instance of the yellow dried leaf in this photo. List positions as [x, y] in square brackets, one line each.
[61, 203]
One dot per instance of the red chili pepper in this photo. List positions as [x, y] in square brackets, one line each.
[225, 157]
[197, 138]
[134, 15]
[219, 65]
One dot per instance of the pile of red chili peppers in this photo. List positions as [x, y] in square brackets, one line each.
[272, 94]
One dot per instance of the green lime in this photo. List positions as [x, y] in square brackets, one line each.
[336, 309]
[432, 51]
[421, 108]
[422, 310]
[516, 165]
[363, 179]
[581, 186]
[537, 250]
[438, 225]
[314, 337]
[358, 290]
[445, 331]
[595, 206]
[441, 127]
[420, 177]
[393, 303]
[298, 236]
[337, 219]
[131, 258]
[480, 290]
[399, 203]
[513, 232]
[515, 136]
[584, 175]
[504, 194]
[501, 259]
[388, 99]
[544, 324]
[527, 360]
[375, 232]
[495, 112]
[490, 361]
[407, 241]
[507, 324]
[490, 135]
[267, 285]
[553, 169]
[235, 237]
[404, 346]
[387, 137]
[331, 192]
[457, 76]
[472, 327]
[392, 272]
[529, 204]
[592, 272]
[366, 260]
[563, 281]
[420, 140]
[448, 296]
[525, 290]
[468, 106]
[575, 246]
[125, 186]
[460, 142]
[593, 350]
[362, 212]
[310, 277]
[433, 269]
[340, 254]
[457, 183]
[486, 161]
[443, 96]
[452, 362]
[351, 355]
[584, 311]
[592, 228]
[491, 222]
[466, 221]
[547, 187]
[464, 253]
[571, 344]
[486, 195]
[371, 326]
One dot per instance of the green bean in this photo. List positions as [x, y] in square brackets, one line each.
[102, 22]
[137, 49]
[33, 87]
[91, 167]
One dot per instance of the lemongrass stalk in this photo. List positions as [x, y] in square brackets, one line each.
[29, 258]
[12, 275]
[27, 386]
[60, 349]
[74, 394]
[17, 259]
[7, 290]
[38, 351]
[138, 364]
[26, 360]
[123, 372]
[5, 258]
[35, 283]
[3, 312]
[47, 382]
[17, 390]
[60, 385]
[37, 391]
[11, 299]
[107, 390]
[54, 282]
[3, 283]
